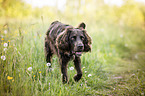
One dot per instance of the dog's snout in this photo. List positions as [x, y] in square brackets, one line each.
[80, 46]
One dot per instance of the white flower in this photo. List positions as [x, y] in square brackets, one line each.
[5, 31]
[85, 71]
[48, 64]
[71, 68]
[3, 57]
[5, 49]
[2, 36]
[121, 35]
[89, 75]
[30, 69]
[83, 67]
[5, 44]
[126, 45]
[136, 56]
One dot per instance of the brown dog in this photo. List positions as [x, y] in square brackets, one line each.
[68, 43]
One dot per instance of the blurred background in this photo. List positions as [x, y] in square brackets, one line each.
[122, 12]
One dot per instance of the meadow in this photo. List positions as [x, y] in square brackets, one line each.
[115, 66]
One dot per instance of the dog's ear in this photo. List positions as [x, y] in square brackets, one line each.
[82, 25]
[87, 42]
[63, 40]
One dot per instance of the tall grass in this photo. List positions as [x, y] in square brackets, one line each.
[114, 67]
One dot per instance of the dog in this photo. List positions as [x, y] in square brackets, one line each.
[68, 43]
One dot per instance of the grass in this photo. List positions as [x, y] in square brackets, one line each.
[116, 62]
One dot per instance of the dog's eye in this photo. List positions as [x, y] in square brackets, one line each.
[73, 38]
[82, 37]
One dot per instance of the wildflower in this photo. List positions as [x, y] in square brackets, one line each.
[121, 35]
[89, 75]
[34, 75]
[2, 39]
[9, 40]
[81, 84]
[71, 68]
[5, 49]
[85, 71]
[40, 72]
[5, 31]
[9, 78]
[48, 64]
[2, 36]
[13, 80]
[136, 56]
[30, 69]
[126, 45]
[5, 44]
[110, 54]
[3, 57]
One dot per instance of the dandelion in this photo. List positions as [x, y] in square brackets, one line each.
[121, 35]
[2, 39]
[5, 44]
[40, 72]
[34, 75]
[136, 56]
[89, 75]
[126, 45]
[71, 68]
[48, 64]
[3, 57]
[30, 69]
[9, 40]
[5, 31]
[9, 78]
[5, 49]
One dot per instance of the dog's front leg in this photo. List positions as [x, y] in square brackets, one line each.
[77, 63]
[63, 63]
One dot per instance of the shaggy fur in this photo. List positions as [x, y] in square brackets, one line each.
[68, 43]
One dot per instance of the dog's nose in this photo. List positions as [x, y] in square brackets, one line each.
[80, 46]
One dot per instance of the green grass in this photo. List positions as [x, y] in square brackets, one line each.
[116, 63]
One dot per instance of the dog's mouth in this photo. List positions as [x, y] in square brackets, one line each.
[78, 54]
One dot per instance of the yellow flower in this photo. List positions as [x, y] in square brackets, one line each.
[34, 75]
[110, 54]
[9, 78]
[40, 72]
[34, 36]
[9, 40]
[2, 39]
[13, 80]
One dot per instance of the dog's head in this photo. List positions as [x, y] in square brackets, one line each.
[75, 40]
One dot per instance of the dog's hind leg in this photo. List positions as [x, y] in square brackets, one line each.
[48, 52]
